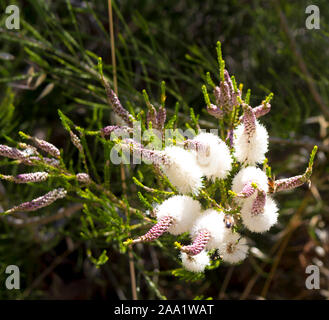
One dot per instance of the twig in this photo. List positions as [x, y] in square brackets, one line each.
[225, 282]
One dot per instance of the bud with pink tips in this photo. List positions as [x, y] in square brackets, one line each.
[207, 232]
[40, 202]
[175, 215]
[250, 139]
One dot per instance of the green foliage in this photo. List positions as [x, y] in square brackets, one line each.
[185, 275]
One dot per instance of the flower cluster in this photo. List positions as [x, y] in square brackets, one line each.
[216, 186]
[234, 166]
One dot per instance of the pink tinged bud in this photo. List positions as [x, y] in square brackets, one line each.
[157, 230]
[217, 94]
[40, 202]
[47, 147]
[83, 178]
[116, 105]
[108, 130]
[247, 191]
[228, 81]
[215, 111]
[249, 121]
[225, 96]
[261, 110]
[161, 117]
[259, 203]
[226, 99]
[76, 141]
[11, 153]
[49, 161]
[293, 182]
[198, 244]
[31, 177]
[235, 96]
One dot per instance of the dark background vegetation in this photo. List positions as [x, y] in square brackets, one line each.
[265, 45]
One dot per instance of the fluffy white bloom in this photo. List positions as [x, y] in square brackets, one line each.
[251, 152]
[250, 174]
[212, 221]
[183, 171]
[234, 248]
[183, 209]
[217, 161]
[261, 222]
[195, 263]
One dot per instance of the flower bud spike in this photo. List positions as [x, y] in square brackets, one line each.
[113, 99]
[83, 178]
[261, 110]
[249, 120]
[43, 145]
[106, 131]
[27, 177]
[199, 243]
[259, 203]
[156, 231]
[247, 191]
[294, 182]
[40, 202]
[215, 111]
[76, 141]
[12, 153]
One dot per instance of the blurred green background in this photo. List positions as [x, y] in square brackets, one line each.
[51, 63]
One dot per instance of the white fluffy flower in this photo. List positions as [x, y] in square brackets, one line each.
[251, 152]
[261, 222]
[217, 161]
[183, 171]
[234, 248]
[212, 221]
[250, 174]
[183, 209]
[195, 263]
